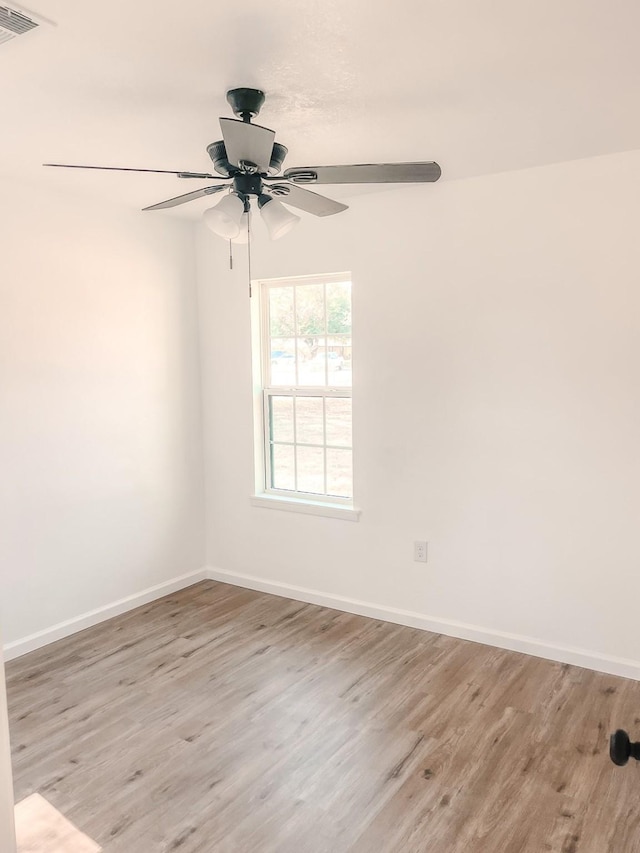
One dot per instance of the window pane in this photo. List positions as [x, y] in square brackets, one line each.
[338, 420]
[339, 308]
[339, 473]
[281, 319]
[311, 361]
[339, 362]
[311, 469]
[281, 418]
[310, 310]
[309, 420]
[283, 361]
[283, 467]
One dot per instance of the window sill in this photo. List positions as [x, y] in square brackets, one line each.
[329, 510]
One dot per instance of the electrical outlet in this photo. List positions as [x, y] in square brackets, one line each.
[420, 552]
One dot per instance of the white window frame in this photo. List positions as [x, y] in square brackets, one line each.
[265, 496]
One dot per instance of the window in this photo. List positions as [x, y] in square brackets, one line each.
[306, 359]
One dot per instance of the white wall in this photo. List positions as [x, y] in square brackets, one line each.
[101, 491]
[496, 406]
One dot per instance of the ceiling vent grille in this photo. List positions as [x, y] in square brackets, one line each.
[14, 23]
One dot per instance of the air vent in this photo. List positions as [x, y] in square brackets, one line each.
[14, 23]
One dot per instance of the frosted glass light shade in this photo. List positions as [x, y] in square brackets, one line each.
[224, 219]
[243, 236]
[277, 218]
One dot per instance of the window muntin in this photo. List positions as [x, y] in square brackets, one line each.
[307, 370]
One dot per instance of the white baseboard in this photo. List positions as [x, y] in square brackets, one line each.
[93, 617]
[512, 642]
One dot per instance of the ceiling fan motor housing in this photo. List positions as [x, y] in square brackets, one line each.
[278, 154]
[218, 154]
[245, 185]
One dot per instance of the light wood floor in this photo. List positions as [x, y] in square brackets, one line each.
[219, 719]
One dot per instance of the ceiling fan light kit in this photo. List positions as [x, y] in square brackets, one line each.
[224, 219]
[277, 218]
[242, 238]
[248, 160]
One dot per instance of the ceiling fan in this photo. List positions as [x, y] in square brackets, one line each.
[249, 159]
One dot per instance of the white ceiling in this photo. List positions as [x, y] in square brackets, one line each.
[480, 87]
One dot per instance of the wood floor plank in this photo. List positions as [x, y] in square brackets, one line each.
[221, 720]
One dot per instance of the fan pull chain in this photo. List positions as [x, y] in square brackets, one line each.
[249, 250]
[230, 255]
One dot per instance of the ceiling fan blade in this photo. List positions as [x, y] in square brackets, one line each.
[200, 175]
[182, 199]
[248, 143]
[303, 199]
[366, 173]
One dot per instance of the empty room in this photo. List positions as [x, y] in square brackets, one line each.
[319, 427]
